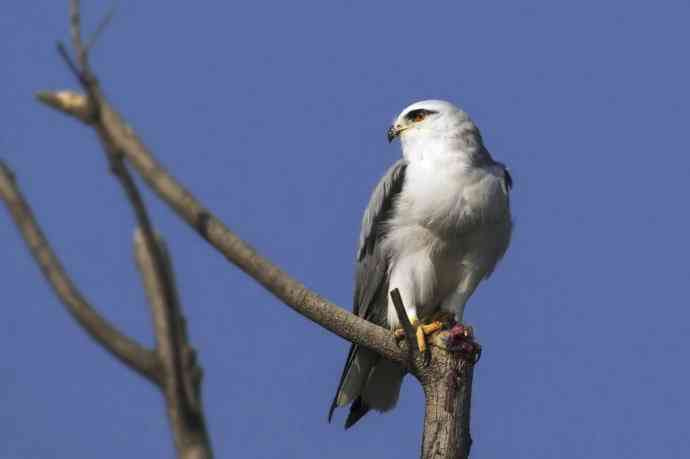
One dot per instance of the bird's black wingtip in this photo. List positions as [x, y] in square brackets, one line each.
[330, 411]
[358, 409]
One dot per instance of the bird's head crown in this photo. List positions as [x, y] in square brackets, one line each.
[433, 125]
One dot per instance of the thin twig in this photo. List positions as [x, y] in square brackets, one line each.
[75, 32]
[102, 25]
[120, 171]
[64, 53]
[140, 359]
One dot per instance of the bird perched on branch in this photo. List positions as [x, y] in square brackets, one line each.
[436, 225]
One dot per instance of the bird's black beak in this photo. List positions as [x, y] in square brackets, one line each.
[392, 133]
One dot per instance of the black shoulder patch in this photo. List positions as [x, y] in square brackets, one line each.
[507, 178]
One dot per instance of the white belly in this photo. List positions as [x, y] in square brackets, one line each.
[450, 229]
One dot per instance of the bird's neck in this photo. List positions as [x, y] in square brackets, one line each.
[443, 150]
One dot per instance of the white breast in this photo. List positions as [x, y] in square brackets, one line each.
[446, 196]
[450, 221]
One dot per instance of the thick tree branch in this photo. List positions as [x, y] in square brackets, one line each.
[447, 385]
[181, 374]
[113, 130]
[140, 359]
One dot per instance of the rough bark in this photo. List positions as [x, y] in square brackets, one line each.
[447, 384]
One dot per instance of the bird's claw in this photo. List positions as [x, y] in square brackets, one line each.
[421, 332]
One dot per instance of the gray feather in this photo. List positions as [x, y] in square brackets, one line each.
[372, 262]
[370, 302]
[380, 204]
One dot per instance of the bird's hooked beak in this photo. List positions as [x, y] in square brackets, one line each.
[394, 131]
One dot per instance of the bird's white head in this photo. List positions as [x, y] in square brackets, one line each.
[434, 127]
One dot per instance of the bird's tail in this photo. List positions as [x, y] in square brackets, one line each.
[369, 382]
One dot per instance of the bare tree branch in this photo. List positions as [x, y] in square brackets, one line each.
[113, 129]
[116, 136]
[181, 374]
[140, 359]
[181, 377]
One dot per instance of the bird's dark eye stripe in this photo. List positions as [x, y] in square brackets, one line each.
[420, 112]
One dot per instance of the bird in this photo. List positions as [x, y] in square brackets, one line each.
[436, 225]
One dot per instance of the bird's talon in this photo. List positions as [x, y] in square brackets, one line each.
[432, 327]
[421, 332]
[421, 339]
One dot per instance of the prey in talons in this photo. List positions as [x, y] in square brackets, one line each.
[461, 339]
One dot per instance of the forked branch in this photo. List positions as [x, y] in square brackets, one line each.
[115, 133]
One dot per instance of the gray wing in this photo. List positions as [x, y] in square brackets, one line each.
[372, 263]
[370, 278]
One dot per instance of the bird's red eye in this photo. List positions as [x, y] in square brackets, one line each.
[418, 115]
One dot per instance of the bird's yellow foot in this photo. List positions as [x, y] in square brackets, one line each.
[421, 332]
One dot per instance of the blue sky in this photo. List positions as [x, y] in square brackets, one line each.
[274, 114]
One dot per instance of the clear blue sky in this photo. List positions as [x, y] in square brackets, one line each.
[274, 114]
